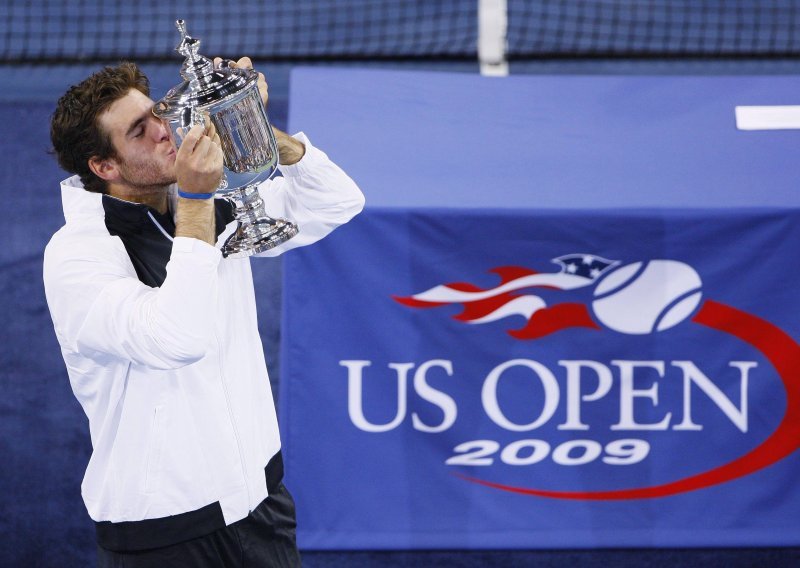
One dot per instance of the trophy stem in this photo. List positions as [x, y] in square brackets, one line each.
[256, 231]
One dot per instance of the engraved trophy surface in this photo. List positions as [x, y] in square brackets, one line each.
[230, 97]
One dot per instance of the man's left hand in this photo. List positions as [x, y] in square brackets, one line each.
[290, 151]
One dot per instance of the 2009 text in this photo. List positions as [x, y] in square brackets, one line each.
[626, 451]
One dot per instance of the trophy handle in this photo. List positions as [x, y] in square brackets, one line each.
[256, 231]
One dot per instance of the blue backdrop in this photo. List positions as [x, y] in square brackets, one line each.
[44, 442]
[647, 404]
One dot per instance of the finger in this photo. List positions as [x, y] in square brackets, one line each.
[263, 88]
[191, 139]
[245, 63]
[217, 62]
[219, 156]
[202, 146]
[211, 129]
[213, 160]
[209, 148]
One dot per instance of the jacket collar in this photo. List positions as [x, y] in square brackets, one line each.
[80, 204]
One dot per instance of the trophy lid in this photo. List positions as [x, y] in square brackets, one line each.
[203, 86]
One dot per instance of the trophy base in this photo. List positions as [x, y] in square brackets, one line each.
[257, 231]
[258, 236]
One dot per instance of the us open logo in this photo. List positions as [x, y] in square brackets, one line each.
[615, 300]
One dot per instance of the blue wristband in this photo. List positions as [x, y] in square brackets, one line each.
[187, 195]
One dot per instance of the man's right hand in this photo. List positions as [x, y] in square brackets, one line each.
[198, 169]
[198, 163]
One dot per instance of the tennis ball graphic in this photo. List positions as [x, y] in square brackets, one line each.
[644, 297]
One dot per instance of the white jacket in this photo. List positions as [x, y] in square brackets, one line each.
[173, 379]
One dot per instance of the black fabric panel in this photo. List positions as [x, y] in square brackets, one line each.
[147, 247]
[266, 537]
[130, 536]
[274, 472]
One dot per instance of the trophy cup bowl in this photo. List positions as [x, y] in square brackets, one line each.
[230, 98]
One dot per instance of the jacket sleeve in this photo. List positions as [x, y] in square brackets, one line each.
[100, 309]
[314, 193]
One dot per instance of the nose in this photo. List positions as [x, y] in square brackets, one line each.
[160, 130]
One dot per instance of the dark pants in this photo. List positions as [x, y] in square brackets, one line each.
[265, 538]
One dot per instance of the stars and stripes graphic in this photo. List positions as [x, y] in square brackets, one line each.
[513, 297]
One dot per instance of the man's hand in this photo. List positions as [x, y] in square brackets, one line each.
[290, 151]
[245, 63]
[198, 169]
[198, 163]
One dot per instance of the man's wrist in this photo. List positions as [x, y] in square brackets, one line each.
[290, 150]
[195, 218]
[191, 195]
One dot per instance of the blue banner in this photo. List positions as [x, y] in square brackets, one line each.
[534, 379]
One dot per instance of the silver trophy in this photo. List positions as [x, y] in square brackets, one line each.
[230, 97]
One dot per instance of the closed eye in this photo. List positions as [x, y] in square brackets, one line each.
[137, 128]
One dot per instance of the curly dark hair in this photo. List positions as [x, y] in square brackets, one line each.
[75, 131]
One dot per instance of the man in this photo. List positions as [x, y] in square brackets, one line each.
[159, 333]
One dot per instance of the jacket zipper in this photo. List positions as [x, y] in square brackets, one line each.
[160, 228]
[224, 389]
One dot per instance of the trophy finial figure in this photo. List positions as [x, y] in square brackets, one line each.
[188, 46]
[195, 66]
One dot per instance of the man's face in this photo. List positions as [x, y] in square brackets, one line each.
[144, 147]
